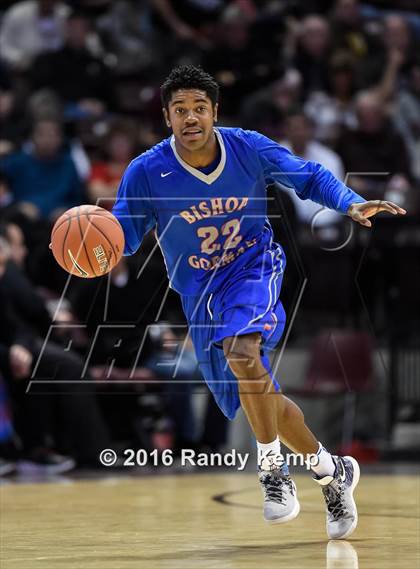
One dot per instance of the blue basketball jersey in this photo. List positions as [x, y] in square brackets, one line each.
[210, 226]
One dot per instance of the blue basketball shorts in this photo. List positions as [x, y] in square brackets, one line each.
[249, 303]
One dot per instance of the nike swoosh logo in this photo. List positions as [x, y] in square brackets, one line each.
[82, 272]
[343, 472]
[164, 174]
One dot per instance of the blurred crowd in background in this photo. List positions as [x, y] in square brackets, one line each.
[336, 81]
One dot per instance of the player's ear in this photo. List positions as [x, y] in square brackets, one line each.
[166, 116]
[216, 108]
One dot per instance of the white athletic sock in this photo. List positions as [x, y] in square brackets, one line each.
[269, 455]
[325, 465]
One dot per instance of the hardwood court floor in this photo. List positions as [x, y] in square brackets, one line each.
[174, 522]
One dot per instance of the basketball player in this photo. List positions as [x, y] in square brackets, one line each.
[204, 190]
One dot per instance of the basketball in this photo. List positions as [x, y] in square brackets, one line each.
[87, 241]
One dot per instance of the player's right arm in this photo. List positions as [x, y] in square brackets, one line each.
[133, 206]
[308, 179]
[312, 181]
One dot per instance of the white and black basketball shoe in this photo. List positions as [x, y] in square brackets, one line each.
[280, 499]
[338, 493]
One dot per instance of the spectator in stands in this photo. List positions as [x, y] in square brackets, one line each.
[29, 28]
[407, 116]
[397, 35]
[46, 307]
[25, 357]
[300, 140]
[347, 28]
[41, 309]
[188, 20]
[396, 45]
[265, 109]
[16, 363]
[174, 361]
[313, 52]
[16, 240]
[10, 118]
[333, 110]
[78, 76]
[127, 33]
[376, 152]
[39, 262]
[237, 60]
[105, 176]
[42, 173]
[118, 302]
[45, 105]
[10, 129]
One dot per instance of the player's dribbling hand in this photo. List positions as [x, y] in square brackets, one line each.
[360, 212]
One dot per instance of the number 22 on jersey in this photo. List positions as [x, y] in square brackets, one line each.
[210, 234]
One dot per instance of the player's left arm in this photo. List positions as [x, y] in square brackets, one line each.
[311, 180]
[132, 206]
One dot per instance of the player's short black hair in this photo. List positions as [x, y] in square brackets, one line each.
[189, 77]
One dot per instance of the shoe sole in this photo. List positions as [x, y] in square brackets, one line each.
[293, 514]
[356, 478]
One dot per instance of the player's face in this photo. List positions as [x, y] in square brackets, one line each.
[191, 116]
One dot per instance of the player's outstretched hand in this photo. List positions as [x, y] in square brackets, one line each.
[360, 212]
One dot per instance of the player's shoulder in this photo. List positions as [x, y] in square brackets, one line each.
[157, 155]
[251, 138]
[240, 140]
[234, 133]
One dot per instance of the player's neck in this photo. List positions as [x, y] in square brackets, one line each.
[199, 158]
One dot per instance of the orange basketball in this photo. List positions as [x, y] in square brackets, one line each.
[87, 241]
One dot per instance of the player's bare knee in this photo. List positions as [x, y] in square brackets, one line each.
[242, 353]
